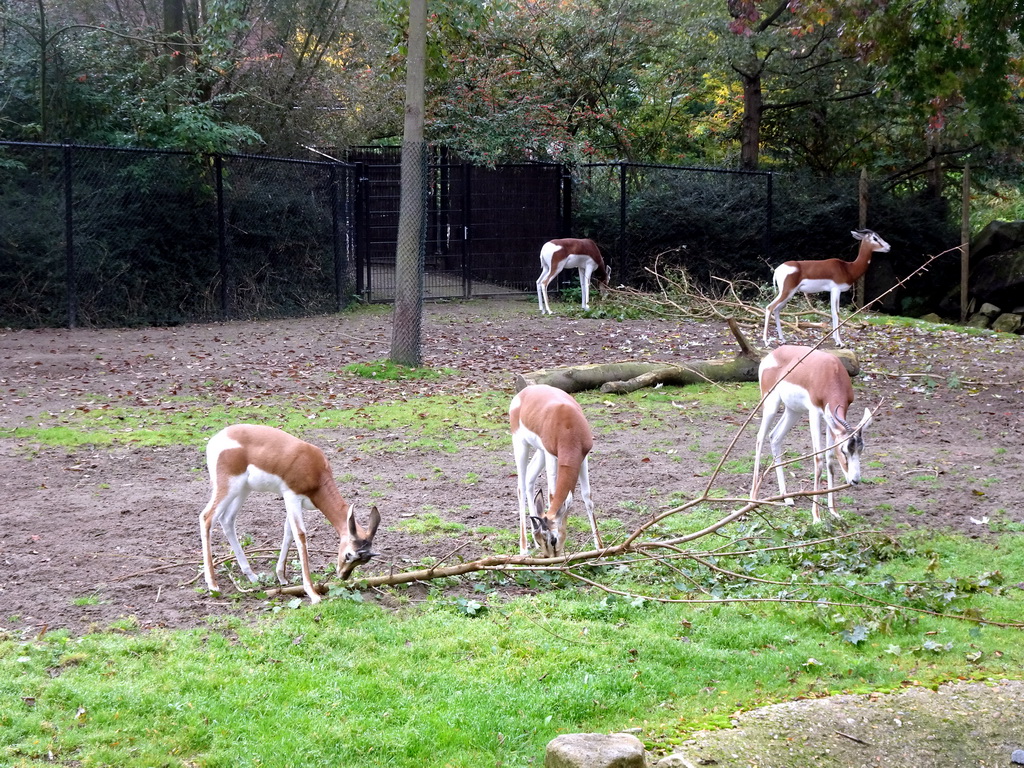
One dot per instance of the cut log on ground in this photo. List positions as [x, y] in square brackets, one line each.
[624, 377]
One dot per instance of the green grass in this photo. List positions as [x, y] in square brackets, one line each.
[481, 681]
[476, 679]
[438, 422]
[429, 524]
[446, 423]
[388, 370]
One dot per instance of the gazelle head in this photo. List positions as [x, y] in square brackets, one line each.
[849, 442]
[878, 245]
[355, 549]
[549, 533]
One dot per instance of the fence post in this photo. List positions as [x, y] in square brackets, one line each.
[467, 273]
[622, 223]
[361, 228]
[863, 198]
[222, 245]
[71, 273]
[339, 261]
[965, 239]
[565, 193]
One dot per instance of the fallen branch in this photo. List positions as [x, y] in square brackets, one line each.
[625, 377]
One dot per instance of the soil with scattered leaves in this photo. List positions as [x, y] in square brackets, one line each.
[94, 536]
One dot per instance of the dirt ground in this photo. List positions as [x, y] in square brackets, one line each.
[95, 536]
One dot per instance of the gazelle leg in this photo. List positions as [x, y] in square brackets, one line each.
[282, 558]
[228, 510]
[521, 452]
[588, 502]
[816, 430]
[542, 291]
[775, 439]
[585, 274]
[205, 523]
[834, 300]
[767, 418]
[775, 309]
[293, 504]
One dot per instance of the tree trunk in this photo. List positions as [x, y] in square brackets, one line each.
[408, 314]
[750, 128]
[174, 32]
[625, 377]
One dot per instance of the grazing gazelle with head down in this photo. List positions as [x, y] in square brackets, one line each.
[815, 383]
[243, 458]
[571, 253]
[550, 422]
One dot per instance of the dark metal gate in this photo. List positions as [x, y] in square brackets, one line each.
[484, 231]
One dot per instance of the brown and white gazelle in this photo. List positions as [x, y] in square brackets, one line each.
[572, 253]
[245, 457]
[550, 422]
[832, 275]
[815, 383]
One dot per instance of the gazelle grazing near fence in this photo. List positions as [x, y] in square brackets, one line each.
[243, 458]
[815, 383]
[572, 253]
[832, 275]
[550, 422]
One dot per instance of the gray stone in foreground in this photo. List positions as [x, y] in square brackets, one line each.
[595, 750]
[1017, 758]
[960, 724]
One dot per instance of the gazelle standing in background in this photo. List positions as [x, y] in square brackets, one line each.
[550, 422]
[572, 253]
[815, 383]
[832, 275]
[245, 457]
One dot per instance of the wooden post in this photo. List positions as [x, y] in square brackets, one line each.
[965, 240]
[858, 290]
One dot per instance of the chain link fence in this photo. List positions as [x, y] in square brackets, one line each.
[100, 236]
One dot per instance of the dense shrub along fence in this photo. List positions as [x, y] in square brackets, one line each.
[105, 236]
[100, 236]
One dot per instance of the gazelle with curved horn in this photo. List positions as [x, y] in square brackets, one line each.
[245, 457]
[815, 383]
[550, 422]
[832, 275]
[573, 253]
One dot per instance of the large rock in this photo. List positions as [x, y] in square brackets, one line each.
[999, 279]
[997, 237]
[1008, 322]
[997, 265]
[595, 750]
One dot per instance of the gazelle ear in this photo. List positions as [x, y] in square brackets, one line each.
[865, 420]
[858, 233]
[374, 522]
[538, 499]
[536, 524]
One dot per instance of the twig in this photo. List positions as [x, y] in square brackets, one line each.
[853, 738]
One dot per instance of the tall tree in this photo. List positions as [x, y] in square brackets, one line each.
[407, 319]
